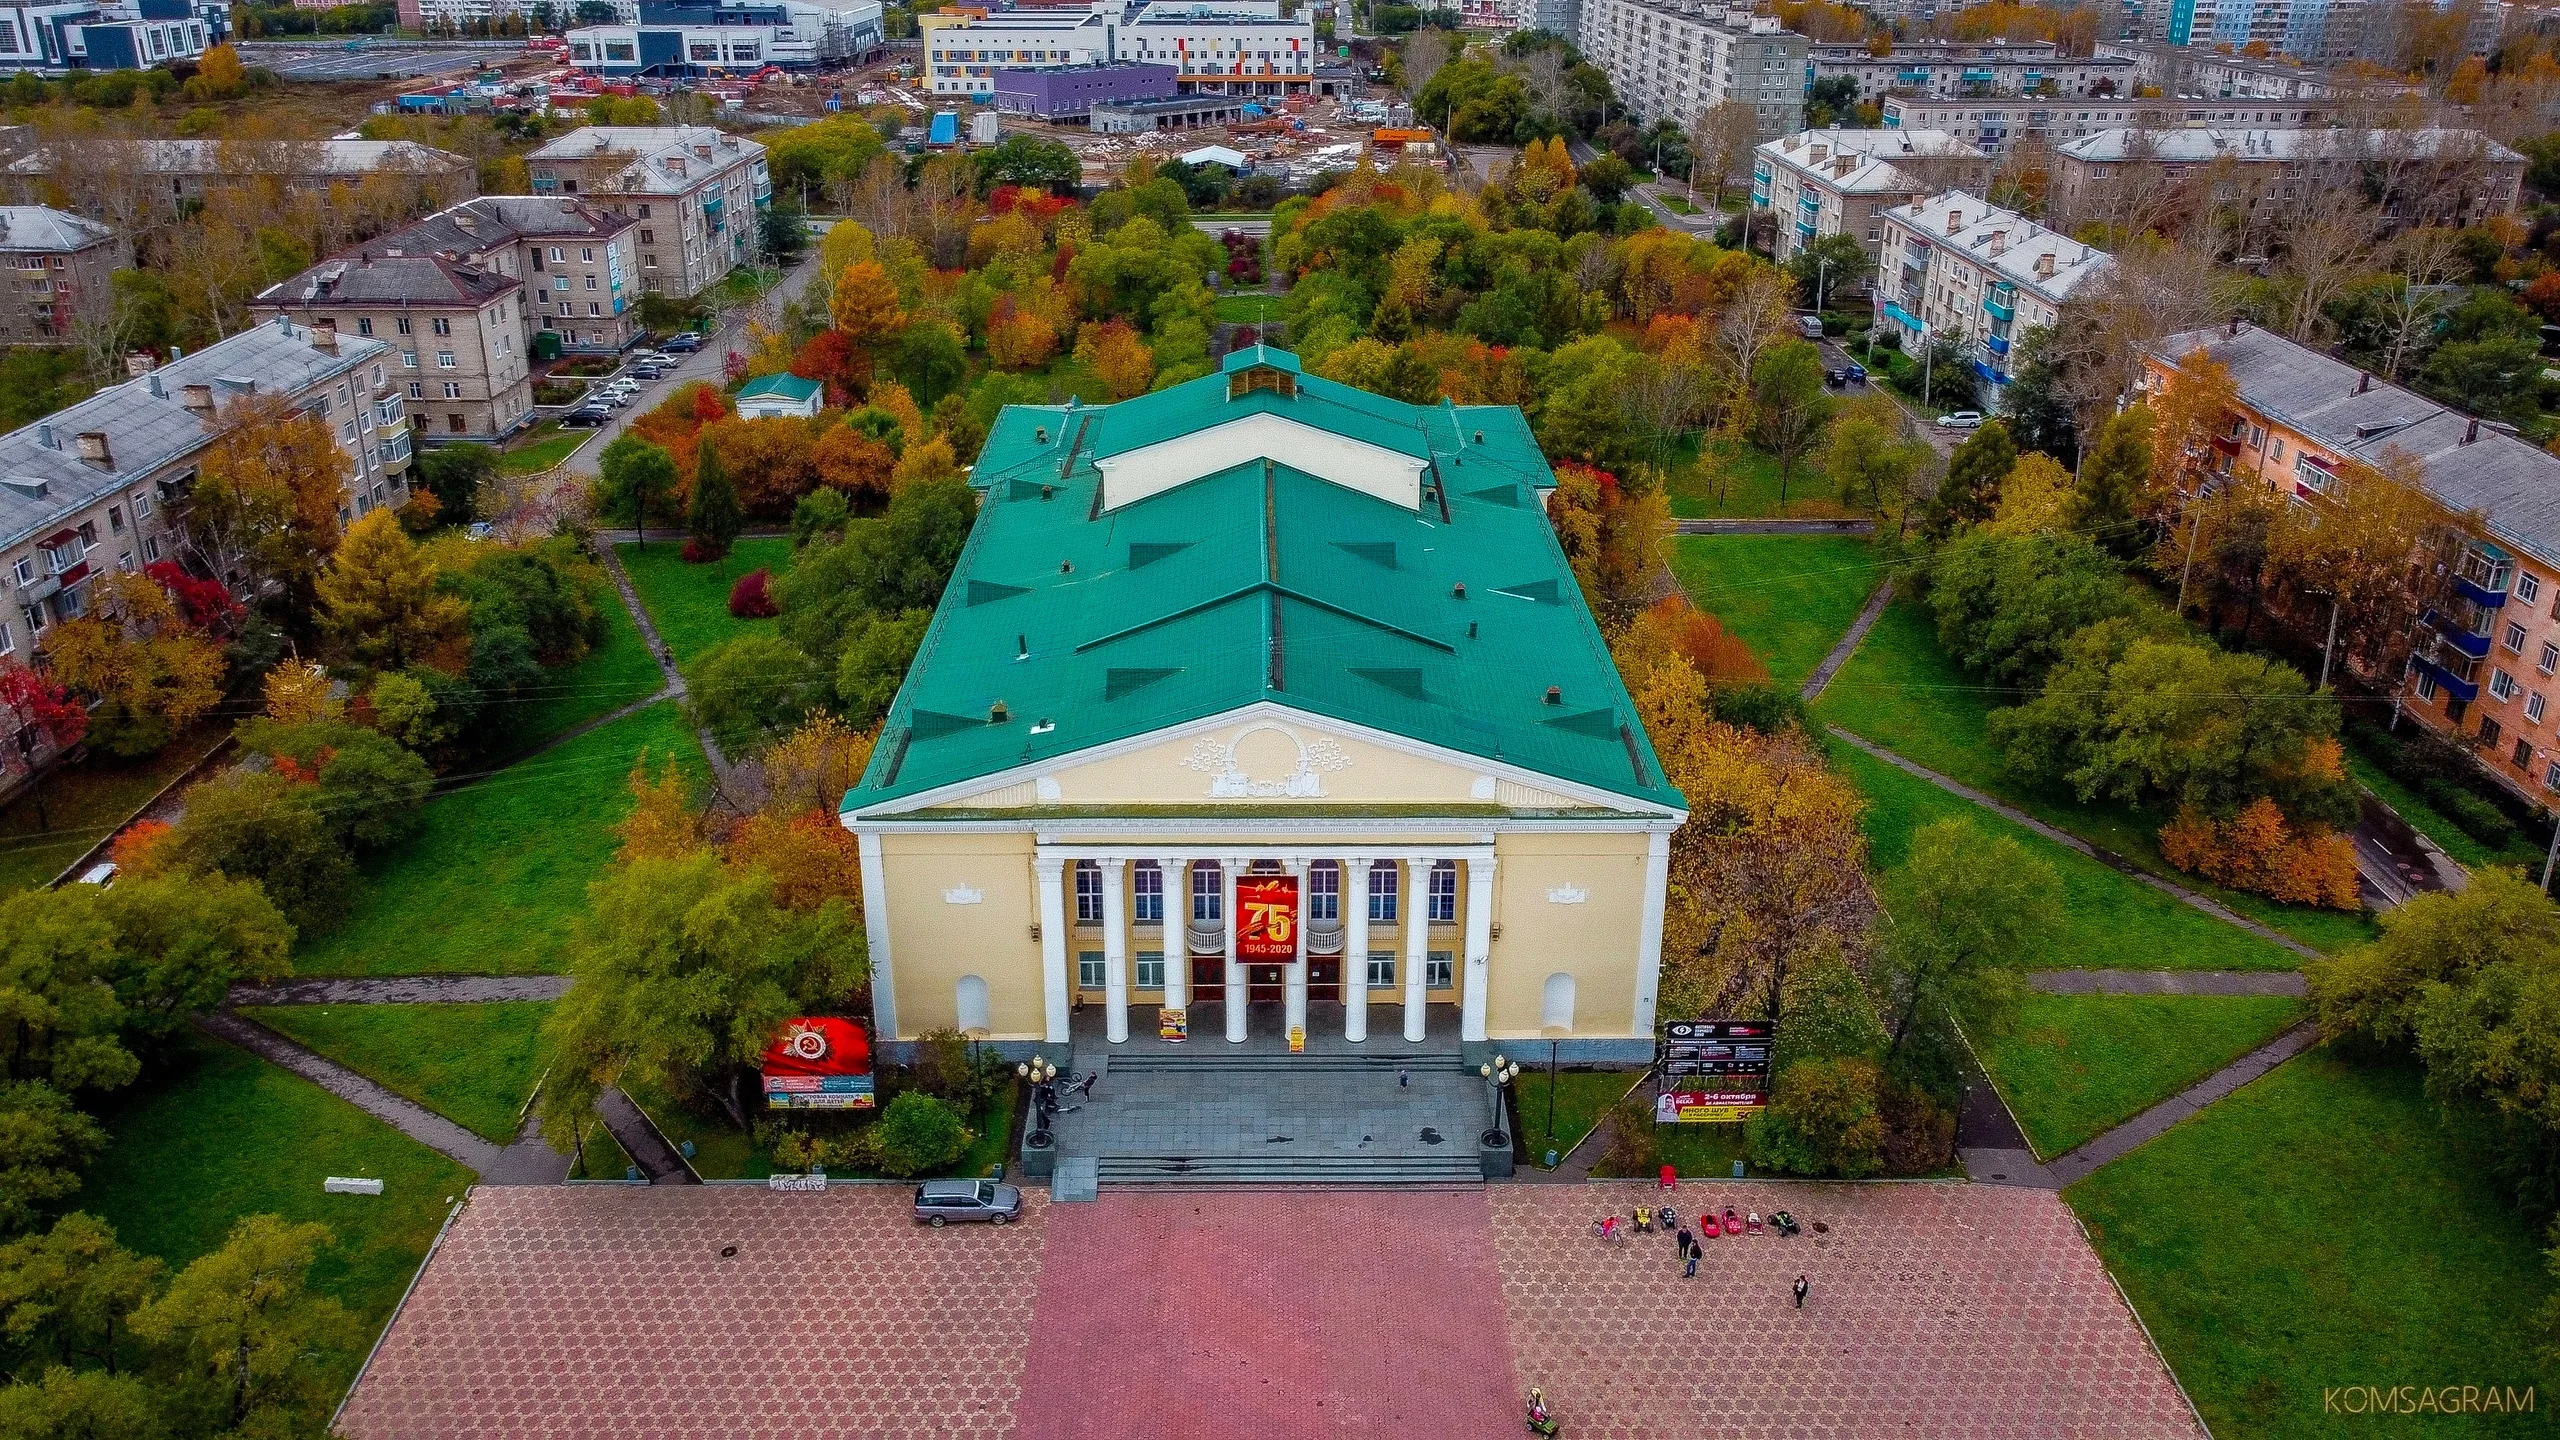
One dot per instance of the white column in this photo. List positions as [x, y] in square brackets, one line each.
[1657, 878]
[875, 924]
[1053, 945]
[1177, 937]
[1413, 909]
[1355, 951]
[1294, 991]
[1115, 952]
[1238, 991]
[1472, 999]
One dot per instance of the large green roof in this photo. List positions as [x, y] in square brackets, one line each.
[1261, 583]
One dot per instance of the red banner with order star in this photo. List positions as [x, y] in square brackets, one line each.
[1267, 918]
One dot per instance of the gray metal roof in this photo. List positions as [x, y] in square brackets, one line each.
[43, 480]
[39, 228]
[2513, 486]
[368, 278]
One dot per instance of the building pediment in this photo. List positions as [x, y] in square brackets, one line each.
[1134, 475]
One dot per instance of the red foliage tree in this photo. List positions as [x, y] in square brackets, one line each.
[707, 402]
[205, 603]
[39, 713]
[828, 359]
[747, 598]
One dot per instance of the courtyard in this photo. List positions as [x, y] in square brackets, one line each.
[1935, 1310]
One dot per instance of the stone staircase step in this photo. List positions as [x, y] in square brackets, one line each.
[1137, 1064]
[1442, 1170]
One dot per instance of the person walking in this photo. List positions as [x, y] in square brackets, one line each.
[1689, 1248]
[1802, 1285]
[1404, 1081]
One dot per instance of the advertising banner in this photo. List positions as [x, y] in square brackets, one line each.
[1267, 917]
[819, 1063]
[1714, 1072]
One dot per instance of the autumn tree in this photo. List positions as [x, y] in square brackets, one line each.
[851, 462]
[1787, 396]
[867, 308]
[2188, 413]
[1117, 357]
[1872, 459]
[1611, 539]
[379, 602]
[712, 520]
[151, 672]
[1970, 493]
[2035, 496]
[810, 769]
[268, 491]
[2368, 553]
[249, 1328]
[1719, 657]
[42, 717]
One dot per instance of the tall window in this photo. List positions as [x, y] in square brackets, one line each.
[1438, 970]
[1382, 970]
[1088, 892]
[1089, 970]
[1444, 893]
[1150, 891]
[1324, 891]
[1150, 974]
[1207, 896]
[1382, 891]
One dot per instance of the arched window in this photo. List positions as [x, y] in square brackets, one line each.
[969, 1000]
[1557, 1008]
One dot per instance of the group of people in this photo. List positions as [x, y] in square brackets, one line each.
[1691, 1249]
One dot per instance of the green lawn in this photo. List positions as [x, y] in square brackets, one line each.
[1728, 480]
[690, 603]
[1582, 1097]
[540, 448]
[84, 803]
[1248, 309]
[2073, 1066]
[722, 1152]
[1789, 597]
[615, 673]
[221, 1135]
[1676, 205]
[2380, 1249]
[2427, 820]
[493, 880]
[473, 1064]
[2109, 920]
[1902, 692]
[1697, 1152]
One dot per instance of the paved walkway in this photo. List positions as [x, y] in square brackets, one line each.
[405, 990]
[2168, 982]
[1937, 1312]
[2151, 1123]
[660, 1163]
[400, 1113]
[724, 772]
[2104, 857]
[1820, 679]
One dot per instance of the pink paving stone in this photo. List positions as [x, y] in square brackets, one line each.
[1298, 1313]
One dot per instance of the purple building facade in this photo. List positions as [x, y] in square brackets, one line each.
[1069, 92]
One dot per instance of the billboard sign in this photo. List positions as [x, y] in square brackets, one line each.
[1714, 1072]
[1267, 917]
[819, 1063]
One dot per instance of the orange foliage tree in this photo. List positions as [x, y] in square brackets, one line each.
[1117, 357]
[2259, 851]
[768, 460]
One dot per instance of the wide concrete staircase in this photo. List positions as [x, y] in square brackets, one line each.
[1210, 1117]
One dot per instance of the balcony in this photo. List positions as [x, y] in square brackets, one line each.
[2474, 644]
[2483, 575]
[1903, 317]
[1804, 226]
[1996, 344]
[2000, 302]
[2452, 682]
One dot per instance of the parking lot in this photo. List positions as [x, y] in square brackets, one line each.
[332, 60]
[1935, 1310]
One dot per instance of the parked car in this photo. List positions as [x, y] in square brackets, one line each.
[102, 874]
[1809, 326]
[588, 416]
[681, 344]
[648, 370]
[1961, 420]
[940, 1202]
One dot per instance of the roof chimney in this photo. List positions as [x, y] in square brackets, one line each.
[198, 400]
[93, 449]
[2235, 327]
[2471, 432]
[1955, 221]
[2364, 382]
[324, 336]
[140, 362]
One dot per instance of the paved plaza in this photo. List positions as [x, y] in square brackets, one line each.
[1970, 1312]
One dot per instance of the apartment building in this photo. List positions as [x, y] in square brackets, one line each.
[1233, 47]
[680, 40]
[1840, 182]
[1954, 264]
[698, 194]
[100, 487]
[2487, 668]
[1957, 67]
[59, 265]
[470, 297]
[2203, 72]
[2260, 178]
[1995, 123]
[1674, 61]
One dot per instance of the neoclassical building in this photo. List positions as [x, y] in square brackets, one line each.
[1262, 704]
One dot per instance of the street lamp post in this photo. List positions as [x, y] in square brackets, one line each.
[1821, 279]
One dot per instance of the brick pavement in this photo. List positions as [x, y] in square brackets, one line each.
[609, 1311]
[1972, 1312]
[1275, 1313]
[1937, 1311]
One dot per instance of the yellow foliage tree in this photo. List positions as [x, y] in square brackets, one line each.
[925, 464]
[1117, 357]
[297, 693]
[810, 769]
[661, 825]
[378, 599]
[865, 304]
[895, 398]
[268, 490]
[2190, 410]
[2036, 497]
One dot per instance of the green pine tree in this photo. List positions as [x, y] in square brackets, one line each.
[713, 522]
[2111, 484]
[1971, 492]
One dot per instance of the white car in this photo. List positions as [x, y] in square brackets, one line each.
[1961, 420]
[102, 874]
